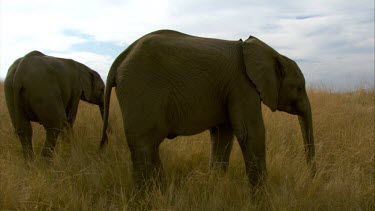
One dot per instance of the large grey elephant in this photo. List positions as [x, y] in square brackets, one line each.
[47, 90]
[170, 84]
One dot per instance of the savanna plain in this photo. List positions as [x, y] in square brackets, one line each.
[80, 177]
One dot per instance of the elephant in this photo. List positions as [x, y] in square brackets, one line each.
[47, 90]
[172, 84]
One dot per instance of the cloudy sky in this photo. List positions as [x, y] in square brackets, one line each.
[331, 40]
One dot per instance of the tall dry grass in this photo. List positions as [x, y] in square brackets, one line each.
[80, 178]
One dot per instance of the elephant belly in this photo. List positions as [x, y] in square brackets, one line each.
[187, 129]
[195, 122]
[31, 116]
[145, 118]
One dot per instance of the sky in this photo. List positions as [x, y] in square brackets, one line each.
[331, 40]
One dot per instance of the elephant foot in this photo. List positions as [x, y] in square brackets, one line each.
[258, 182]
[29, 156]
[219, 168]
[154, 181]
[143, 192]
[47, 153]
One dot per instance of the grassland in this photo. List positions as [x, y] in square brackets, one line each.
[80, 178]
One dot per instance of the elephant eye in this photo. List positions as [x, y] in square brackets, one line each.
[300, 88]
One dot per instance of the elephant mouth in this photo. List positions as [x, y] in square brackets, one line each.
[291, 108]
[286, 108]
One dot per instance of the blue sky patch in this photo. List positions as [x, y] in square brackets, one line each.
[91, 45]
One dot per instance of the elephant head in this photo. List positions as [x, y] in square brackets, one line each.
[92, 87]
[281, 86]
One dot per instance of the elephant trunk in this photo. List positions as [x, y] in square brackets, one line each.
[305, 120]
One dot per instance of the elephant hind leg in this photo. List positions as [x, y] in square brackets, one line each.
[71, 114]
[25, 132]
[50, 143]
[147, 167]
[52, 116]
[53, 128]
[221, 146]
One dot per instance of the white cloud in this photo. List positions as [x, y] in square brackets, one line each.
[41, 25]
[326, 35]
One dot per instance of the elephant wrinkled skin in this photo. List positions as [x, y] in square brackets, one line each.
[169, 84]
[47, 90]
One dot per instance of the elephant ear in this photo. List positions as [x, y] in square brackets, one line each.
[263, 67]
[86, 79]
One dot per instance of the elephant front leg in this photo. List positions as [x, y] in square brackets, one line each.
[247, 123]
[49, 145]
[221, 146]
[252, 143]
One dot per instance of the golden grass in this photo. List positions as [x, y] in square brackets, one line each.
[80, 178]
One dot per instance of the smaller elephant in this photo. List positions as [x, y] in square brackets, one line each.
[47, 90]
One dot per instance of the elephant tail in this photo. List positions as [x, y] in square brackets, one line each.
[111, 82]
[12, 90]
[13, 85]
